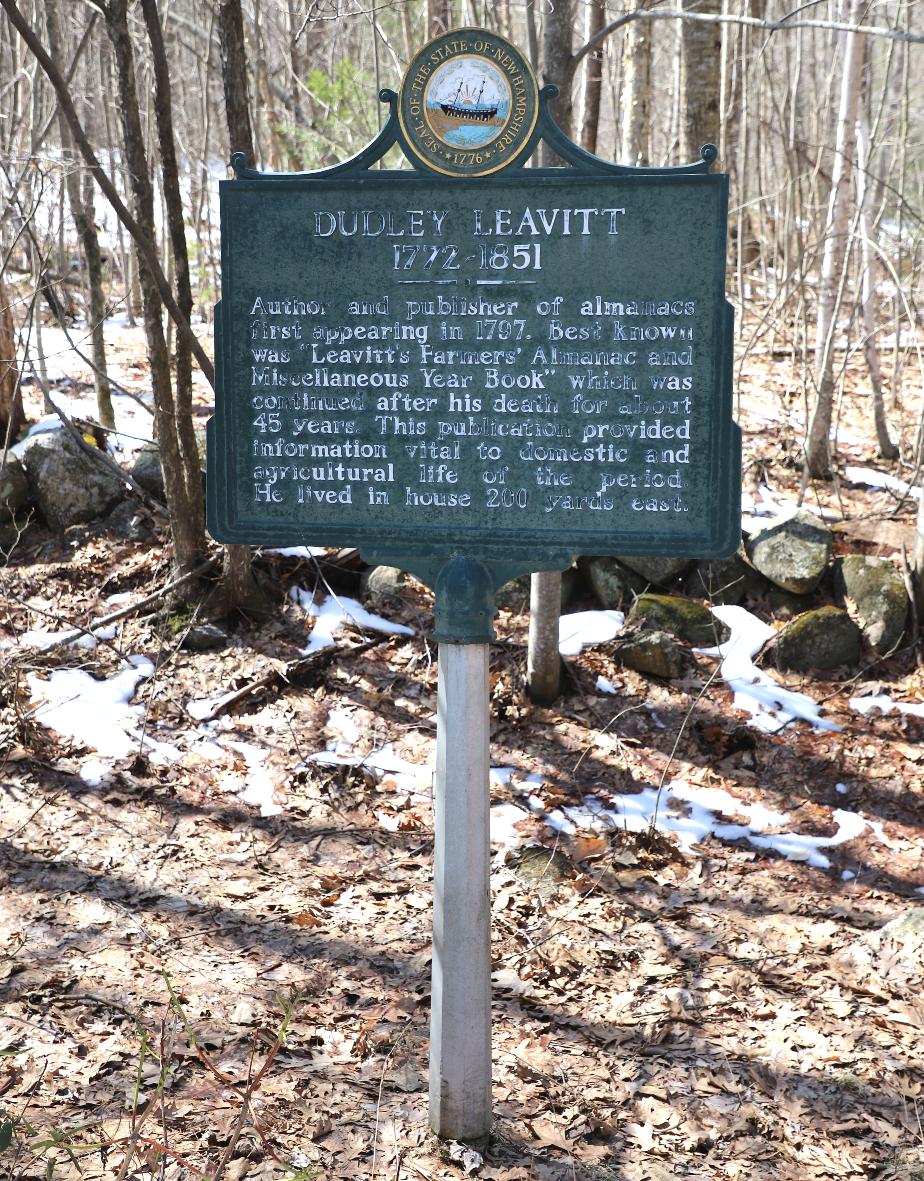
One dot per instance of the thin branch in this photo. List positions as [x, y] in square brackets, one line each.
[146, 249]
[754, 22]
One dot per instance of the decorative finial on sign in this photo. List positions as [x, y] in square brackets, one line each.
[709, 153]
[239, 163]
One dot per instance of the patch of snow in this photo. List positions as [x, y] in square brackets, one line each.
[413, 778]
[93, 772]
[689, 813]
[583, 628]
[841, 788]
[201, 707]
[75, 639]
[342, 722]
[260, 782]
[847, 875]
[501, 775]
[755, 692]
[208, 748]
[50, 422]
[873, 479]
[795, 847]
[97, 713]
[504, 818]
[298, 551]
[333, 613]
[605, 686]
[885, 705]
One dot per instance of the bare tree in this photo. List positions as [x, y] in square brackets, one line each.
[818, 442]
[89, 239]
[699, 83]
[635, 137]
[182, 479]
[241, 590]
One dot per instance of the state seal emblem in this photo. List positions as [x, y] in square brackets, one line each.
[468, 104]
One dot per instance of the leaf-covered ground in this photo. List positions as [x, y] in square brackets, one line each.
[189, 987]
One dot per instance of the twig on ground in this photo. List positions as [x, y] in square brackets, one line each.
[123, 613]
[294, 673]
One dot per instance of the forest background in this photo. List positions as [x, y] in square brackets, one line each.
[117, 119]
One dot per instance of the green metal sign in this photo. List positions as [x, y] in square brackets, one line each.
[519, 368]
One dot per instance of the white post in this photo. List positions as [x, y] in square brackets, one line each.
[460, 1017]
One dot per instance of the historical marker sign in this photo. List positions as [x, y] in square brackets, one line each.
[503, 366]
[473, 371]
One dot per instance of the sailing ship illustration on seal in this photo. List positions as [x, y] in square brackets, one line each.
[463, 108]
[467, 102]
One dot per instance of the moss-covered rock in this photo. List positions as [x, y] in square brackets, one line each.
[542, 869]
[792, 551]
[726, 580]
[659, 571]
[874, 594]
[824, 639]
[612, 584]
[686, 618]
[655, 653]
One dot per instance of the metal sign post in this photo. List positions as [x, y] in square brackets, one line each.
[460, 1014]
[473, 370]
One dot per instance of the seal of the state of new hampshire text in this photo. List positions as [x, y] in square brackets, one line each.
[468, 104]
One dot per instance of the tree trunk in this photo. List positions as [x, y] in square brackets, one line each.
[234, 77]
[239, 588]
[12, 418]
[818, 444]
[543, 662]
[917, 560]
[558, 66]
[176, 229]
[593, 78]
[439, 17]
[186, 517]
[635, 146]
[89, 239]
[700, 80]
[869, 263]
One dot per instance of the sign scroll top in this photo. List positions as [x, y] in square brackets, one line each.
[468, 104]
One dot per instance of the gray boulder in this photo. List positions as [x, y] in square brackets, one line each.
[382, 586]
[792, 551]
[823, 639]
[874, 593]
[655, 653]
[69, 486]
[685, 618]
[204, 637]
[660, 571]
[147, 471]
[613, 585]
[14, 487]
